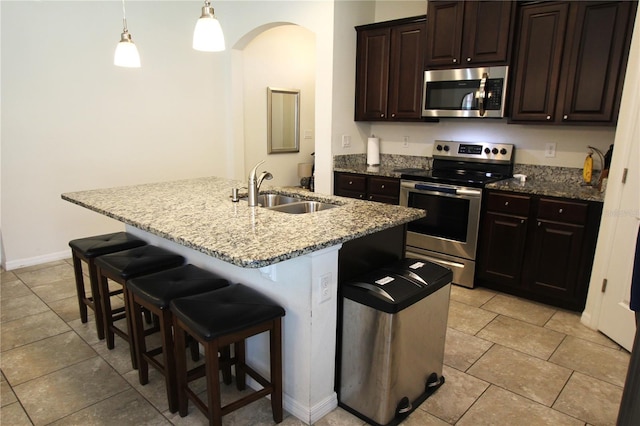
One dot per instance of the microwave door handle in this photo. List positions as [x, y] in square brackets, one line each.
[482, 94]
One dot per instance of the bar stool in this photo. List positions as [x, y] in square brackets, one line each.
[120, 267]
[217, 319]
[87, 250]
[154, 292]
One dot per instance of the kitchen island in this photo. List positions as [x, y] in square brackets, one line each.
[293, 258]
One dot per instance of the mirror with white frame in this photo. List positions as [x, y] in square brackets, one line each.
[283, 120]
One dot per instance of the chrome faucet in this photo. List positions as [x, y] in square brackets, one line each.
[254, 184]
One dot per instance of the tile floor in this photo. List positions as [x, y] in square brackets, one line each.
[507, 361]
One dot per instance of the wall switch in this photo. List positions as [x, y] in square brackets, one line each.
[325, 287]
[550, 149]
[405, 141]
[346, 141]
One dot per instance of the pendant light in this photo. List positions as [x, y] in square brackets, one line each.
[126, 51]
[208, 37]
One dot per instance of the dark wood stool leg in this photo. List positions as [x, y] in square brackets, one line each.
[128, 316]
[97, 300]
[181, 369]
[141, 345]
[225, 364]
[107, 312]
[275, 343]
[213, 383]
[168, 352]
[195, 349]
[77, 270]
[239, 352]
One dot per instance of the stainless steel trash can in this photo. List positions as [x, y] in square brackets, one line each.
[394, 322]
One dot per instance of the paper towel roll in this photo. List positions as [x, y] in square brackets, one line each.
[373, 151]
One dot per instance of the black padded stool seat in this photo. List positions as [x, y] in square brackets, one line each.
[87, 249]
[120, 267]
[220, 318]
[154, 292]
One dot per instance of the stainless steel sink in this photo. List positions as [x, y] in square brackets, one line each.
[303, 207]
[292, 205]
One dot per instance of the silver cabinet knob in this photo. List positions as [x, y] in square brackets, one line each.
[350, 182]
[548, 117]
[559, 210]
[521, 220]
[382, 115]
[393, 115]
[455, 60]
[381, 186]
[565, 117]
[468, 59]
[506, 203]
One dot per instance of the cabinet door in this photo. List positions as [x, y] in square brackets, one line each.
[383, 189]
[444, 33]
[350, 185]
[486, 32]
[406, 71]
[502, 249]
[555, 254]
[598, 56]
[540, 48]
[372, 74]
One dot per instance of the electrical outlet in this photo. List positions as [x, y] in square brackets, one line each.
[550, 150]
[405, 141]
[325, 287]
[346, 141]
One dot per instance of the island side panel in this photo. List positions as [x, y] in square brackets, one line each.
[309, 326]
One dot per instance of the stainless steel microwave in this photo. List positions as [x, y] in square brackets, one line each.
[465, 92]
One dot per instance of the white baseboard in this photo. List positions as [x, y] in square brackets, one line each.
[32, 261]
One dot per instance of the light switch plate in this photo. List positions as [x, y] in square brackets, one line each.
[550, 149]
[346, 141]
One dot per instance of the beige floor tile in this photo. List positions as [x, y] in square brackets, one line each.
[7, 276]
[422, 418]
[40, 266]
[14, 288]
[44, 356]
[339, 417]
[87, 331]
[524, 310]
[119, 357]
[591, 400]
[461, 350]
[501, 407]
[125, 408]
[55, 290]
[569, 323]
[68, 308]
[522, 336]
[41, 276]
[592, 359]
[455, 396]
[477, 296]
[56, 395]
[14, 415]
[6, 394]
[520, 373]
[20, 307]
[468, 319]
[154, 391]
[30, 329]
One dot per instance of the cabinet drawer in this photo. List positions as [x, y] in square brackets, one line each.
[562, 211]
[351, 182]
[508, 203]
[384, 186]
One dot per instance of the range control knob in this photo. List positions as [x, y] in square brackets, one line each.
[446, 148]
[487, 150]
[503, 151]
[439, 147]
[494, 150]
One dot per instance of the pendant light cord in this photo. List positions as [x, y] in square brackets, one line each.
[124, 18]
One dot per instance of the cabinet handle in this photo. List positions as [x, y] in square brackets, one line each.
[382, 115]
[559, 210]
[468, 59]
[350, 182]
[565, 117]
[522, 221]
[381, 186]
[360, 196]
[506, 203]
[371, 197]
[548, 117]
[455, 60]
[393, 115]
[539, 223]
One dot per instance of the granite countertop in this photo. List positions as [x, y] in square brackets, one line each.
[382, 170]
[199, 214]
[564, 189]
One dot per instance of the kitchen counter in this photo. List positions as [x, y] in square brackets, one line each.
[199, 214]
[564, 189]
[292, 258]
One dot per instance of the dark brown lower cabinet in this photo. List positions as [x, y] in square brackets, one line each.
[367, 187]
[538, 247]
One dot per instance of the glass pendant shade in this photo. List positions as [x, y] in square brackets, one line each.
[208, 37]
[126, 53]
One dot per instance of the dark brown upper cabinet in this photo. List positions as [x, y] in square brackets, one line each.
[389, 70]
[570, 61]
[468, 33]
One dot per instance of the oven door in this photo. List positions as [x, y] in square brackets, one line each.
[453, 216]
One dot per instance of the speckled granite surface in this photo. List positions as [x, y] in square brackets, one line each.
[565, 182]
[199, 214]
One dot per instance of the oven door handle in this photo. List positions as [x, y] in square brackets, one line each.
[469, 192]
[423, 187]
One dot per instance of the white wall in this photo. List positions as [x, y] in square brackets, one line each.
[73, 121]
[282, 57]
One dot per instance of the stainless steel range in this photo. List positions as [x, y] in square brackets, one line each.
[451, 194]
